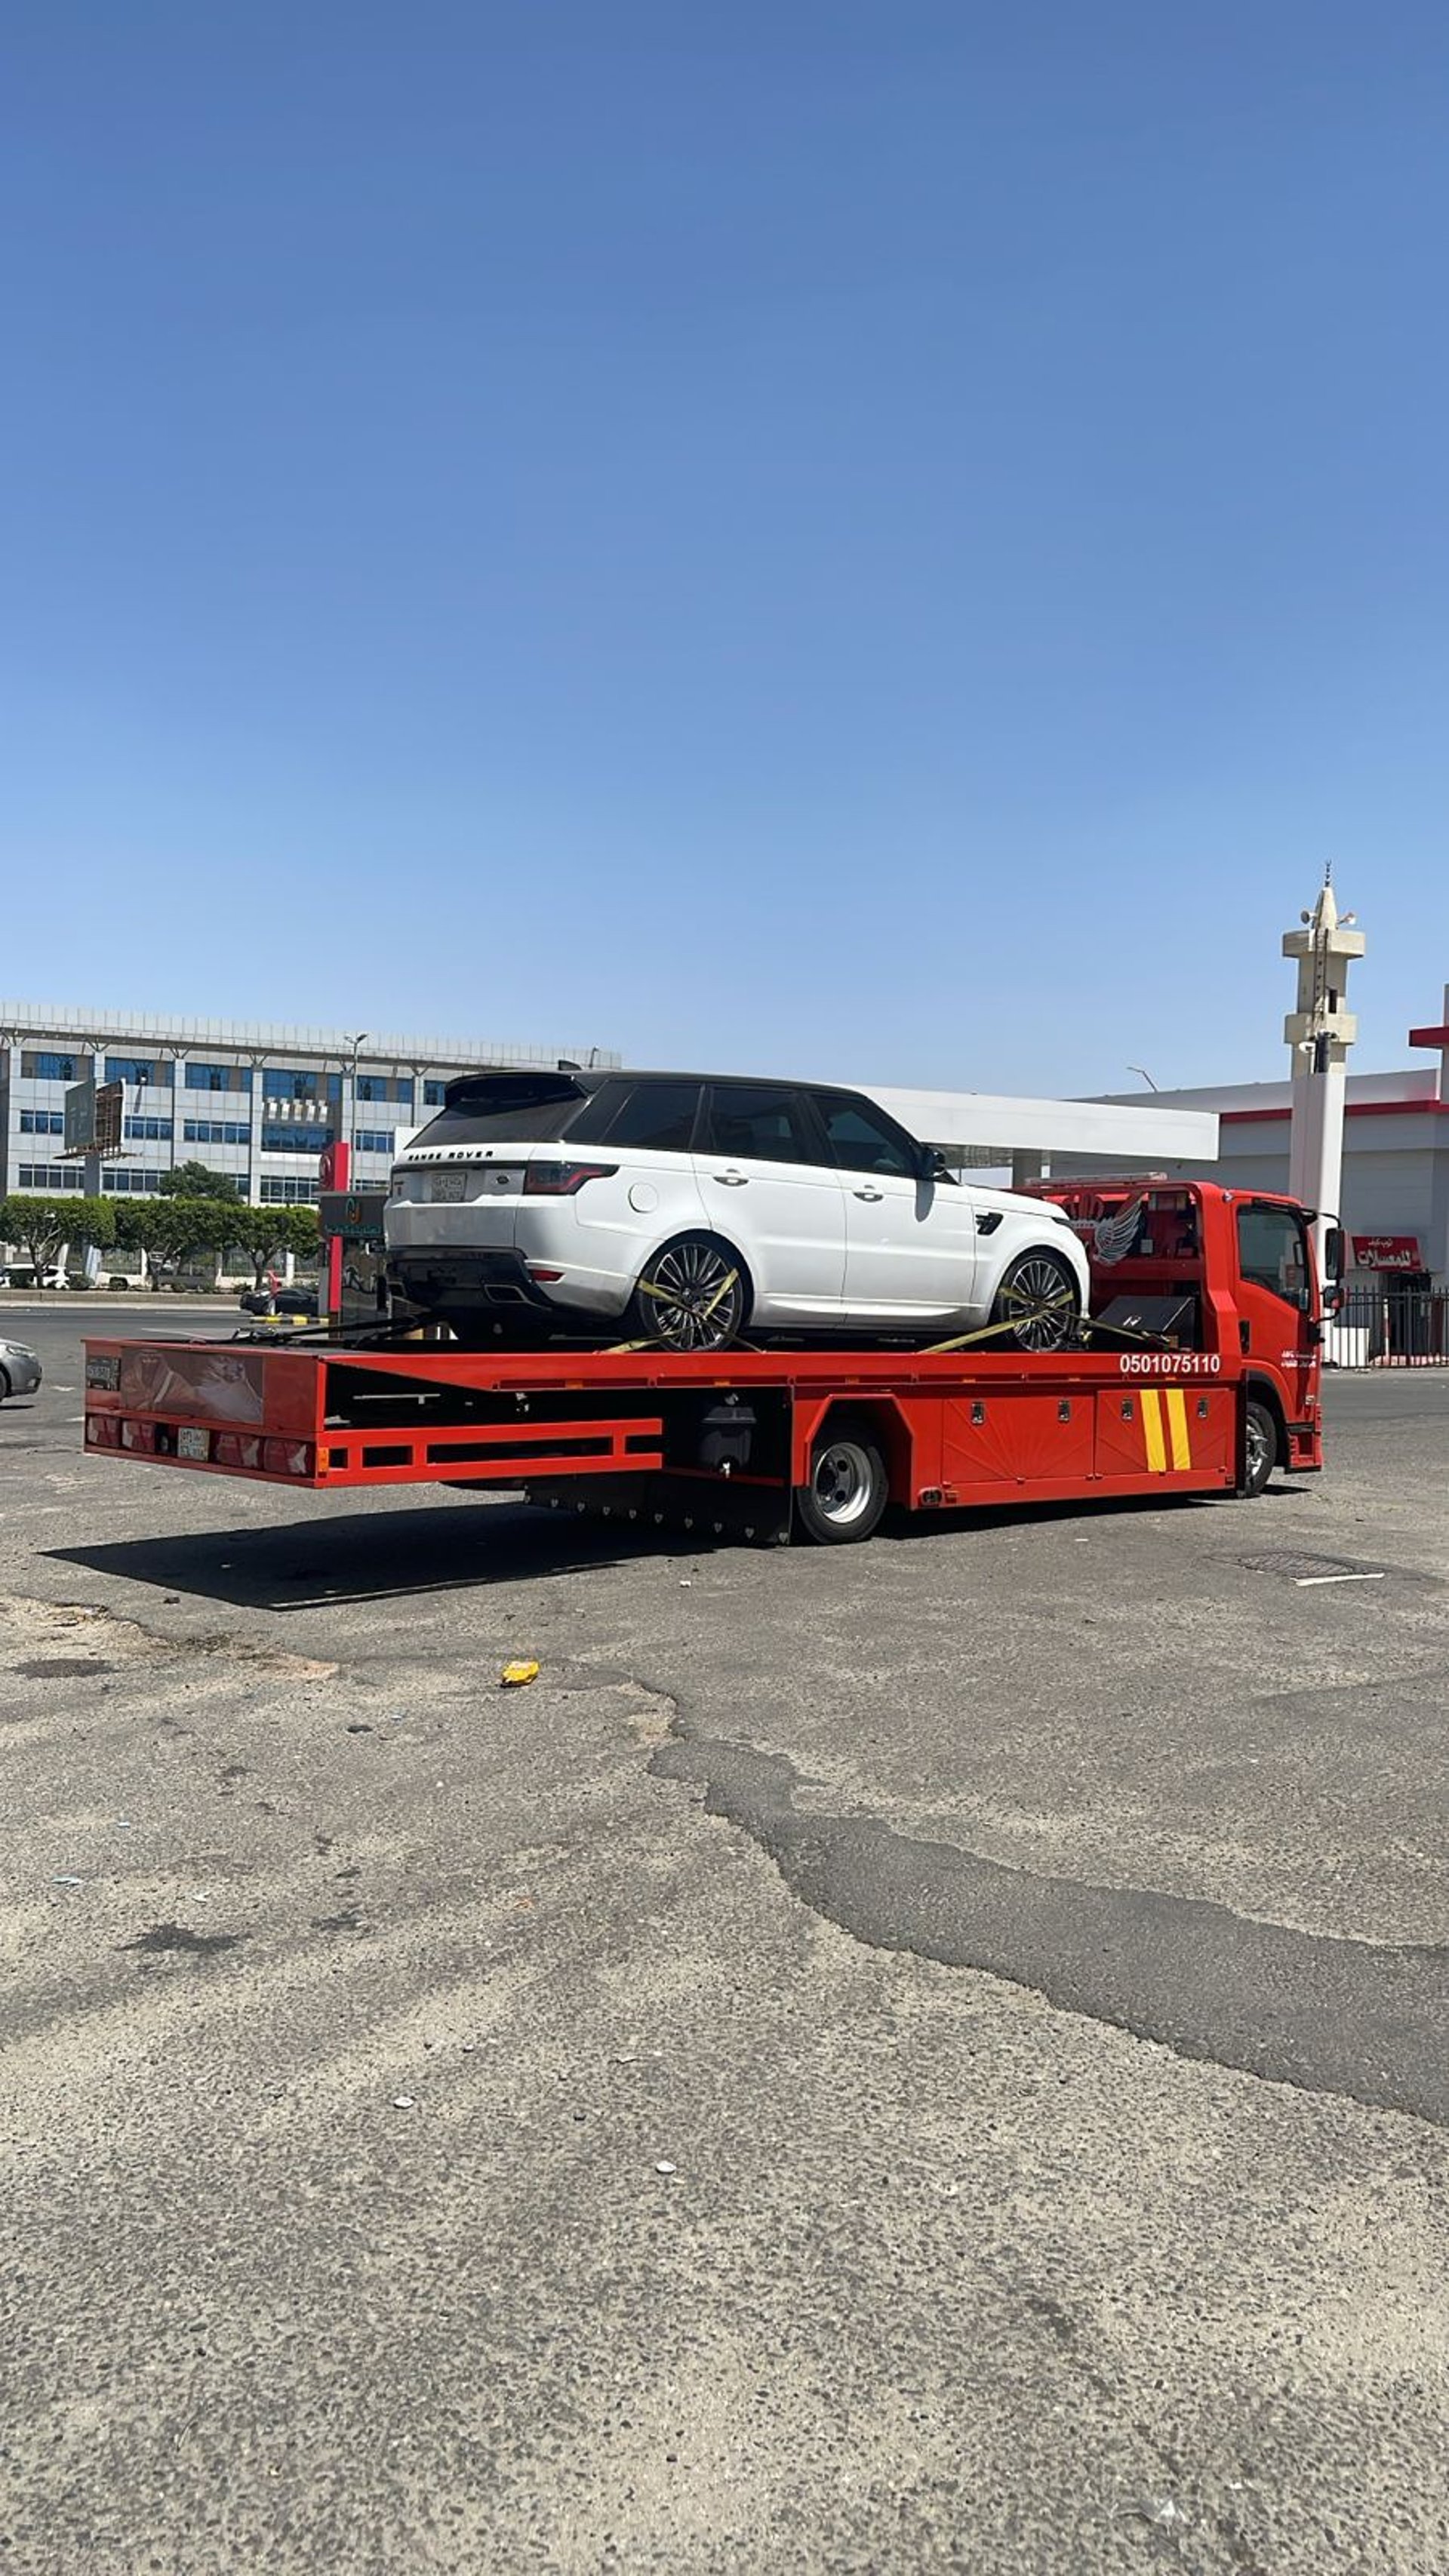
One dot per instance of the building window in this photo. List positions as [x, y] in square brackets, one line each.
[42, 1122]
[296, 1140]
[143, 1072]
[289, 1193]
[121, 1183]
[433, 1094]
[299, 1083]
[385, 1086]
[51, 1176]
[374, 1140]
[215, 1131]
[218, 1077]
[44, 1065]
[148, 1131]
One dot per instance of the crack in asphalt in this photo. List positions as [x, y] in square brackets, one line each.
[1324, 2014]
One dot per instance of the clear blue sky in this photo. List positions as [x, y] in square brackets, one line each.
[868, 537]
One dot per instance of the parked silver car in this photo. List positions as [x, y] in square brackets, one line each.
[20, 1370]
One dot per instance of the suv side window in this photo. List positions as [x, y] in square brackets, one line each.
[863, 1139]
[763, 1122]
[1272, 1253]
[659, 1116]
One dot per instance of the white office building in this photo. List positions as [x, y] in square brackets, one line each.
[256, 1103]
[1393, 1197]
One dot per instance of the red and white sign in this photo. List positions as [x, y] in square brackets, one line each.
[1387, 1252]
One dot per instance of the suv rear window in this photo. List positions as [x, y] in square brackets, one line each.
[762, 1122]
[506, 1108]
[658, 1116]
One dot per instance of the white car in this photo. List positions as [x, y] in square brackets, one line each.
[688, 1208]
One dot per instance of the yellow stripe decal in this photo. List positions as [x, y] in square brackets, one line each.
[1152, 1426]
[1177, 1426]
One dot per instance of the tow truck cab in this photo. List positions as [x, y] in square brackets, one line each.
[1218, 1271]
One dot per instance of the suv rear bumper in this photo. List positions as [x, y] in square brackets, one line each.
[467, 1287]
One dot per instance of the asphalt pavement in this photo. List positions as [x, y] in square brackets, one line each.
[927, 2056]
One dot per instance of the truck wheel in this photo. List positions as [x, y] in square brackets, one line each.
[1260, 1449]
[1039, 1299]
[692, 1295]
[849, 1486]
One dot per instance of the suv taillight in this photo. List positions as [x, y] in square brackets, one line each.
[561, 1180]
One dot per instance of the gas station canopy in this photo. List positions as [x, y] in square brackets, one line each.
[1121, 1138]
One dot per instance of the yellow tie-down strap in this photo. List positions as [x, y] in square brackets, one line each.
[647, 1288]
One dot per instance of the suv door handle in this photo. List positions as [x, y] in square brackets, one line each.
[733, 1180]
[870, 1194]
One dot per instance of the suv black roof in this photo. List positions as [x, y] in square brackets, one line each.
[595, 1075]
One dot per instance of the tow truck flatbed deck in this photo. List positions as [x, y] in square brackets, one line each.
[954, 1427]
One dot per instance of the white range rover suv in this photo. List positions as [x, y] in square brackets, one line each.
[688, 1208]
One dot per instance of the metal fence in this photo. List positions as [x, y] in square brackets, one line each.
[1389, 1326]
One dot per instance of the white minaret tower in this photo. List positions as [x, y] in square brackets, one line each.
[1319, 1034]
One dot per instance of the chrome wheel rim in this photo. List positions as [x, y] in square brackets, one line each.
[842, 1483]
[693, 1296]
[1040, 1303]
[1255, 1445]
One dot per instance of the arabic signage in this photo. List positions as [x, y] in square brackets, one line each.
[1387, 1252]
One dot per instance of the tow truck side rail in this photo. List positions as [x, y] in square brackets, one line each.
[957, 1427]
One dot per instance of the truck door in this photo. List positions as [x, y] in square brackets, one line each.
[1277, 1327]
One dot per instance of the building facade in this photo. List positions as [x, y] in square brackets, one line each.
[255, 1102]
[1394, 1194]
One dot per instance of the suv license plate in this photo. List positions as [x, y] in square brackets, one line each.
[449, 1185]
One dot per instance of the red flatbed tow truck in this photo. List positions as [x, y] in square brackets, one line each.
[1199, 1374]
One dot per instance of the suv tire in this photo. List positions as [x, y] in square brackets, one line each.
[1039, 1298]
[693, 1294]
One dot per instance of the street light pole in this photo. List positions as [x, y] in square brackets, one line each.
[354, 1043]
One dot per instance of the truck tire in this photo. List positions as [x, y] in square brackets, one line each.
[1040, 1300]
[849, 1486]
[1260, 1449]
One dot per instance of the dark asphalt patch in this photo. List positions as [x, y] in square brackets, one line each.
[39, 1668]
[1295, 1566]
[164, 1938]
[1326, 2015]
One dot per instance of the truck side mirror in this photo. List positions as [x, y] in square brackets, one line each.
[1333, 1249]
